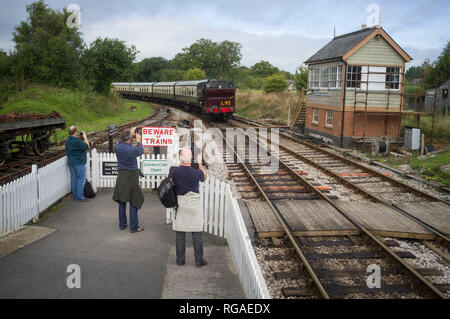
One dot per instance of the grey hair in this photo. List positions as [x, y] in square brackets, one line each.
[125, 135]
[185, 155]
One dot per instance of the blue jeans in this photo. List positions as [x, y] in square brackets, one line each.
[134, 221]
[77, 180]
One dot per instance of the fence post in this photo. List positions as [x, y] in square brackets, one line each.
[88, 167]
[95, 169]
[2, 211]
[206, 203]
[35, 194]
[169, 216]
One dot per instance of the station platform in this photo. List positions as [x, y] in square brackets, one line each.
[113, 263]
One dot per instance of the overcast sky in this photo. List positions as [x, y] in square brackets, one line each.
[285, 33]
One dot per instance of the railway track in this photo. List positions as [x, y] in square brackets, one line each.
[21, 165]
[371, 184]
[335, 266]
[334, 160]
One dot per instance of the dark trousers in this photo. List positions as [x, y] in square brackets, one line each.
[134, 221]
[197, 242]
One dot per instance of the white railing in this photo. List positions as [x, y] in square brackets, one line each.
[98, 180]
[53, 183]
[241, 249]
[222, 217]
[23, 199]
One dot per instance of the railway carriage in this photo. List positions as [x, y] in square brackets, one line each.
[163, 91]
[188, 93]
[209, 97]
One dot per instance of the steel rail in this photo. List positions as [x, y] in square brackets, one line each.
[280, 218]
[351, 162]
[378, 243]
[441, 237]
[378, 174]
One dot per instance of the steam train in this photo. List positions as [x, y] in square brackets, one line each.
[212, 98]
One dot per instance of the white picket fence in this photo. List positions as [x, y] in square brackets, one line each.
[95, 175]
[241, 249]
[222, 217]
[23, 199]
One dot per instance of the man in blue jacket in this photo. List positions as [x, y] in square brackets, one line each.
[76, 158]
[127, 183]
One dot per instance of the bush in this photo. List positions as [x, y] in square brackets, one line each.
[275, 83]
[6, 89]
[194, 74]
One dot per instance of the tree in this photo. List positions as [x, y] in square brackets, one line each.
[194, 74]
[217, 59]
[5, 65]
[169, 75]
[46, 48]
[275, 83]
[229, 57]
[6, 77]
[263, 69]
[442, 64]
[429, 74]
[301, 78]
[414, 72]
[243, 79]
[107, 60]
[146, 70]
[287, 75]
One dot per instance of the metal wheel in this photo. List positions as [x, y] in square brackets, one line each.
[40, 145]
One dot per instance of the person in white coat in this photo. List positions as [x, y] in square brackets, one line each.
[189, 217]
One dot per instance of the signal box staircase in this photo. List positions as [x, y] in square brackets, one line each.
[299, 113]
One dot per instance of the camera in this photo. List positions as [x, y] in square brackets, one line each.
[138, 130]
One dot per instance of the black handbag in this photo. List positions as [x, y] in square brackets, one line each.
[88, 190]
[167, 191]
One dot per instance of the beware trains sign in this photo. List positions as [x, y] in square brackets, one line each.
[158, 136]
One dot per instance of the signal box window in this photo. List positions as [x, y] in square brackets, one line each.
[329, 118]
[315, 116]
[353, 76]
[392, 78]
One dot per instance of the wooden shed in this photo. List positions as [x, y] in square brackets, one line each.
[355, 88]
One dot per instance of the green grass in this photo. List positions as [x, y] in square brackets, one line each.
[255, 104]
[394, 161]
[427, 168]
[441, 131]
[87, 110]
[430, 167]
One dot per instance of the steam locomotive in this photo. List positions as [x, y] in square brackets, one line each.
[212, 98]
